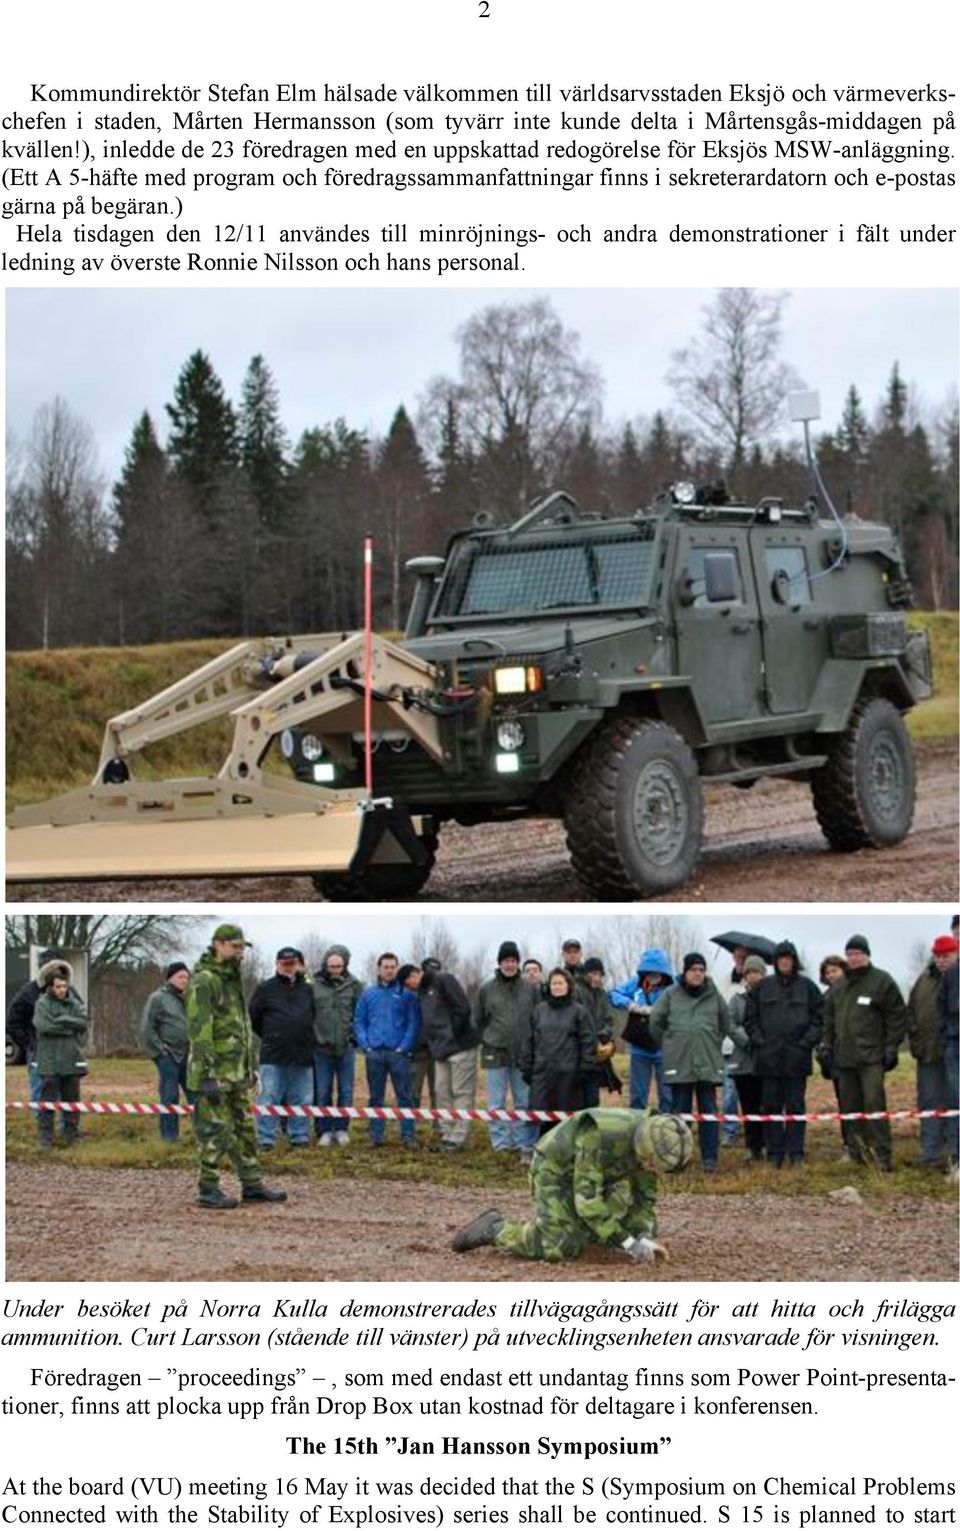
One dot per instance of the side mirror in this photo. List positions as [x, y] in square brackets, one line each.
[720, 577]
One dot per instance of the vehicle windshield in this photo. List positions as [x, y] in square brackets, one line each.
[496, 578]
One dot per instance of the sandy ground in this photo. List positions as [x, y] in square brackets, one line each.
[148, 1229]
[760, 845]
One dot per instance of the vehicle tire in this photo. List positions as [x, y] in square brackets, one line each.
[633, 810]
[14, 1052]
[865, 793]
[379, 882]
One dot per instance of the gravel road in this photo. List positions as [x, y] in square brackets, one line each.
[761, 845]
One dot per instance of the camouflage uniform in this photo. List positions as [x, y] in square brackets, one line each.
[588, 1188]
[221, 1048]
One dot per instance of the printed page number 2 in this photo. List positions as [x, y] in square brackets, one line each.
[483, 9]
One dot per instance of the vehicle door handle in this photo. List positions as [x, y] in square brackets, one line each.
[812, 623]
[740, 627]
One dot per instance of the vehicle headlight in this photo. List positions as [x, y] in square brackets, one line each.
[324, 772]
[507, 763]
[310, 747]
[510, 735]
[684, 492]
[514, 680]
[288, 744]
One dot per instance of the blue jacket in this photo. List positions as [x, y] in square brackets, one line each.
[654, 960]
[387, 1016]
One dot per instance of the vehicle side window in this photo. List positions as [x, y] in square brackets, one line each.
[694, 569]
[787, 565]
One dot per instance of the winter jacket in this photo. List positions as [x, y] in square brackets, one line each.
[61, 1026]
[334, 1006]
[691, 1025]
[503, 1009]
[654, 960]
[20, 1028]
[947, 1013]
[557, 1046]
[603, 1017]
[740, 1061]
[784, 1020]
[163, 1025]
[387, 1017]
[922, 1007]
[445, 1016]
[281, 1014]
[218, 1029]
[865, 1017]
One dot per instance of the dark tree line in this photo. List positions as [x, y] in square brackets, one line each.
[219, 525]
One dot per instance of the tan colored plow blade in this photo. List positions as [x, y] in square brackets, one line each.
[243, 821]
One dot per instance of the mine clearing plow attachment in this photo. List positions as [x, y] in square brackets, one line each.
[244, 820]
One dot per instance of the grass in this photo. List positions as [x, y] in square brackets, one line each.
[59, 700]
[134, 1143]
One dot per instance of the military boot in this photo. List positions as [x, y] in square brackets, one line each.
[212, 1196]
[262, 1193]
[483, 1230]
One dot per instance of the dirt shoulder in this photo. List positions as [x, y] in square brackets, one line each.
[142, 1225]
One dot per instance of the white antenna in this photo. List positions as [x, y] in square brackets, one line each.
[804, 406]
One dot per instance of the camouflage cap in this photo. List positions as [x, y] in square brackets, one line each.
[230, 933]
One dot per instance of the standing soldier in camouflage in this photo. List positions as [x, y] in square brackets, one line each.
[594, 1181]
[221, 1073]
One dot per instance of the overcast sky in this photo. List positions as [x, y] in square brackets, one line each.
[360, 353]
[892, 935]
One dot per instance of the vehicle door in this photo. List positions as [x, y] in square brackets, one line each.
[718, 640]
[794, 624]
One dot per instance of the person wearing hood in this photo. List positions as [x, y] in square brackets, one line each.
[20, 1028]
[501, 1013]
[739, 1062]
[335, 995]
[558, 1048]
[784, 1021]
[281, 1014]
[221, 1072]
[447, 1032]
[163, 1027]
[924, 1038]
[864, 1022]
[60, 1020]
[690, 1020]
[637, 996]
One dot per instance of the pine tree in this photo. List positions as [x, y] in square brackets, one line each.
[853, 433]
[895, 403]
[403, 503]
[263, 444]
[202, 445]
[140, 505]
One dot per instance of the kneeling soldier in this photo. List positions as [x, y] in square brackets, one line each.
[594, 1182]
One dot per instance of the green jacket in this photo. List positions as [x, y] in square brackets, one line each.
[601, 1012]
[218, 1028]
[865, 1015]
[163, 1025]
[690, 1028]
[61, 1026]
[591, 1156]
[922, 1007]
[334, 1003]
[740, 1061]
[501, 1015]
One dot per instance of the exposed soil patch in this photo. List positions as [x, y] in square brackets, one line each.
[142, 1225]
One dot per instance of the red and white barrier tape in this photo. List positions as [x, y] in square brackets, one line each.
[436, 1114]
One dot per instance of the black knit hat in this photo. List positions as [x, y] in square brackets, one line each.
[858, 944]
[174, 967]
[593, 965]
[508, 949]
[432, 965]
[694, 960]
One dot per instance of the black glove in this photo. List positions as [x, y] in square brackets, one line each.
[890, 1059]
[210, 1090]
[825, 1060]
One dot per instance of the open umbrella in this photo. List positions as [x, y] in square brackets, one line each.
[761, 946]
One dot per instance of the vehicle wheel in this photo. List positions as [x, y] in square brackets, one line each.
[379, 882]
[633, 810]
[865, 793]
[14, 1052]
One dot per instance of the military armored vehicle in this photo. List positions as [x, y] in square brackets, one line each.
[595, 668]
